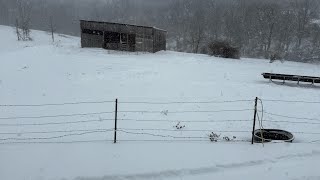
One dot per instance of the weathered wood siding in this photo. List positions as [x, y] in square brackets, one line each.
[144, 39]
[94, 41]
[159, 39]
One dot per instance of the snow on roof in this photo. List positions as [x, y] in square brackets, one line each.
[124, 24]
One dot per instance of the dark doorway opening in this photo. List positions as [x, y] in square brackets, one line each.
[119, 41]
[112, 37]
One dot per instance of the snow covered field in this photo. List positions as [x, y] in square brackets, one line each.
[63, 128]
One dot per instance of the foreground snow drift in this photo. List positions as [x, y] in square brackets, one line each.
[67, 95]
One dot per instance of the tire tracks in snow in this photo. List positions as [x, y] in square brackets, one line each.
[198, 171]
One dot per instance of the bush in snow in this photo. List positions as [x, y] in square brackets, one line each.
[223, 49]
[275, 56]
[178, 126]
[214, 137]
[226, 138]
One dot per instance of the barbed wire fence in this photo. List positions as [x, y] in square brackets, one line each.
[140, 123]
[184, 121]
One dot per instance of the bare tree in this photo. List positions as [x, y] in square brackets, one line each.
[197, 31]
[23, 19]
[194, 32]
[4, 12]
[17, 26]
[284, 33]
[304, 12]
[52, 28]
[177, 23]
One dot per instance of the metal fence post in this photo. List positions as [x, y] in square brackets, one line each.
[115, 121]
[254, 118]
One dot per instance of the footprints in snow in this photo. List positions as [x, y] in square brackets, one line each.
[203, 170]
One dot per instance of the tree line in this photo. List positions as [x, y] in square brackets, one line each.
[259, 28]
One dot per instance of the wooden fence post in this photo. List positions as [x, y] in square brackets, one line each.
[115, 121]
[254, 118]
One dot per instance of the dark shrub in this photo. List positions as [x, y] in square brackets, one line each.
[223, 49]
[275, 56]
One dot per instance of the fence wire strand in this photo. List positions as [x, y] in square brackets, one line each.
[53, 137]
[290, 117]
[141, 140]
[291, 101]
[55, 104]
[55, 116]
[293, 122]
[55, 142]
[53, 132]
[54, 123]
[161, 135]
[197, 121]
[177, 112]
[184, 102]
[185, 130]
[124, 102]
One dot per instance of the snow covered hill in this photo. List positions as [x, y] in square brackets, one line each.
[52, 94]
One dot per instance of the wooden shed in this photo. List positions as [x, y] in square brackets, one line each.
[124, 37]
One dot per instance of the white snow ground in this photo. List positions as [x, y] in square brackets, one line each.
[45, 73]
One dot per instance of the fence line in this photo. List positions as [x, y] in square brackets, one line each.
[124, 102]
[149, 120]
[142, 131]
[150, 102]
[130, 129]
[208, 130]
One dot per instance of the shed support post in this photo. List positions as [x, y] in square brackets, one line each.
[127, 42]
[103, 41]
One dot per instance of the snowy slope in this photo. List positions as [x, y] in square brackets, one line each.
[45, 73]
